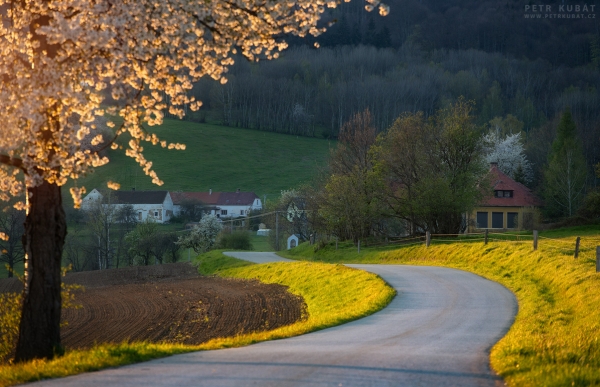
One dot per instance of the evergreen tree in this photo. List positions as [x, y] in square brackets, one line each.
[566, 173]
[492, 104]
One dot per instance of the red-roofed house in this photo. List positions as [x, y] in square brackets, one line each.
[221, 204]
[511, 206]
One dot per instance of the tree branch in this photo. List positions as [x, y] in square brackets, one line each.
[13, 162]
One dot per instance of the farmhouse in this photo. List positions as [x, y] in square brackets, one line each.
[220, 204]
[155, 205]
[511, 207]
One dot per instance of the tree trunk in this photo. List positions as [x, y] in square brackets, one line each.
[44, 238]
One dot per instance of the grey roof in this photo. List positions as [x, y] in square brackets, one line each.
[236, 198]
[140, 197]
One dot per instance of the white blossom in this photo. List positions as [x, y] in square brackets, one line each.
[509, 153]
[63, 63]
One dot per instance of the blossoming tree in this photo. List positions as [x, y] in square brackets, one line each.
[63, 63]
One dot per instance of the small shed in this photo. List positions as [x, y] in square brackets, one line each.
[263, 232]
[292, 241]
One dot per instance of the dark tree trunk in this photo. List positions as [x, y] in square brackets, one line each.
[44, 238]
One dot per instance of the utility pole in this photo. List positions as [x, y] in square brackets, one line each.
[276, 230]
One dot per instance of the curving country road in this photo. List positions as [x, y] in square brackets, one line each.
[437, 332]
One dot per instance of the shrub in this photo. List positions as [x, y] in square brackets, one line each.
[237, 240]
[10, 316]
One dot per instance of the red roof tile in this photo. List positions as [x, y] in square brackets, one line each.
[216, 198]
[522, 196]
[203, 197]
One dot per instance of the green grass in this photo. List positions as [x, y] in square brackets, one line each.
[334, 294]
[214, 262]
[260, 243]
[218, 157]
[555, 339]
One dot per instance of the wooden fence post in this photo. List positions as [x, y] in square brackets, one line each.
[359, 246]
[535, 240]
[485, 241]
[336, 242]
[597, 259]
[577, 241]
[427, 239]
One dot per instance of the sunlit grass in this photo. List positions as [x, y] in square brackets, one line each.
[555, 339]
[334, 294]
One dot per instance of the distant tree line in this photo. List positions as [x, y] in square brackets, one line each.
[487, 25]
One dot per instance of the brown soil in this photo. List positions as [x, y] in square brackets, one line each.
[169, 303]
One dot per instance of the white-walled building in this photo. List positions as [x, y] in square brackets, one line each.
[220, 204]
[155, 205]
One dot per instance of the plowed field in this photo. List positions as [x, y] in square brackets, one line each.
[171, 303]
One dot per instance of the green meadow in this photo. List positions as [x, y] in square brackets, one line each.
[218, 158]
[555, 339]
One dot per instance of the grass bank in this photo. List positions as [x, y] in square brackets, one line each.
[334, 294]
[555, 339]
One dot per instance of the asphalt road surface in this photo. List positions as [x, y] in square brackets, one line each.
[437, 332]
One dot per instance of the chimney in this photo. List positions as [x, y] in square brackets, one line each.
[494, 164]
[210, 191]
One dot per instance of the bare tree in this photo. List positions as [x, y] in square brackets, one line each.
[11, 250]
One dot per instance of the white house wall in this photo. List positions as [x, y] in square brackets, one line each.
[90, 198]
[235, 211]
[232, 210]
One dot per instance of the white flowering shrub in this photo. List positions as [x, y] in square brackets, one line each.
[203, 236]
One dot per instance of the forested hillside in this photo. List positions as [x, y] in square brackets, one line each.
[313, 92]
[509, 27]
[522, 73]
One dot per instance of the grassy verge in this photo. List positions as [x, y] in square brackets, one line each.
[334, 294]
[555, 339]
[260, 243]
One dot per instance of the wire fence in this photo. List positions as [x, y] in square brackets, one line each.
[583, 248]
[576, 247]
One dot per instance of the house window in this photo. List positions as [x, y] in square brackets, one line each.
[512, 220]
[497, 219]
[223, 212]
[156, 214]
[503, 194]
[241, 212]
[482, 220]
[140, 215]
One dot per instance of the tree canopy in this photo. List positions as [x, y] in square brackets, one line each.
[566, 174]
[65, 63]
